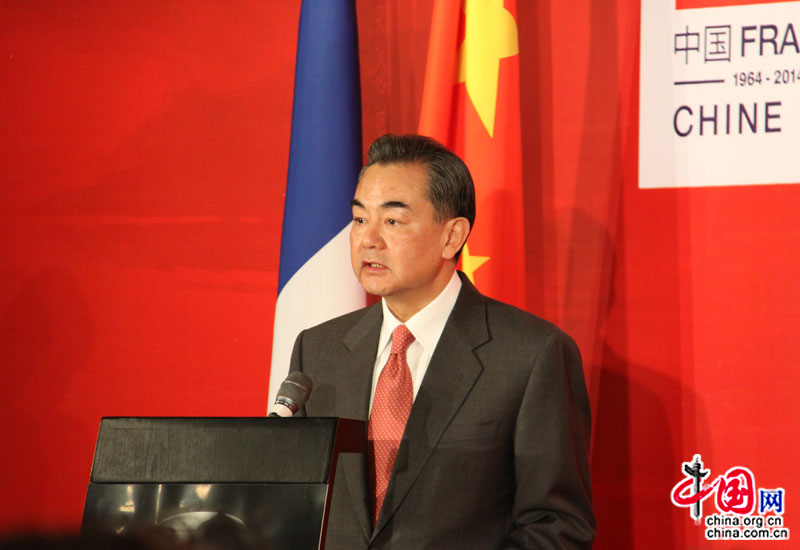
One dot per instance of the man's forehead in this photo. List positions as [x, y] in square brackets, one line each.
[392, 186]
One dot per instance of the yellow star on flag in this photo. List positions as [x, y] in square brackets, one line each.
[469, 263]
[490, 35]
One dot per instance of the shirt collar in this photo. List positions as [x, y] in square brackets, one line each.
[428, 323]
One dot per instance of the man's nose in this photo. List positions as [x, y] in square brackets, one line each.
[371, 238]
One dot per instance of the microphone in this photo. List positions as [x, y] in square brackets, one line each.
[292, 394]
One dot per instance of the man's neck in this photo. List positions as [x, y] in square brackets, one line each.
[404, 307]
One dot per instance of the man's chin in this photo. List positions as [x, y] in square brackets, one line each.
[375, 291]
[373, 287]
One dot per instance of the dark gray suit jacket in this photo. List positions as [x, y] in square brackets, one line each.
[495, 452]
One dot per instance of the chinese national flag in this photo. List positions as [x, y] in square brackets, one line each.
[470, 103]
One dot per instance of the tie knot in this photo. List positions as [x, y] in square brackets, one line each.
[401, 339]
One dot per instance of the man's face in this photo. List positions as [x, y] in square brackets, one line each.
[397, 247]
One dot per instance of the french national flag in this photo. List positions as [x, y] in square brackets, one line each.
[316, 281]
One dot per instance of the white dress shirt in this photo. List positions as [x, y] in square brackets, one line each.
[426, 325]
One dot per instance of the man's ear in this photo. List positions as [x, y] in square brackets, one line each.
[454, 235]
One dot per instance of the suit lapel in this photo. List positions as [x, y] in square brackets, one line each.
[353, 383]
[451, 374]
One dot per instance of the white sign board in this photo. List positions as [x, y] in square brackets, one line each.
[719, 95]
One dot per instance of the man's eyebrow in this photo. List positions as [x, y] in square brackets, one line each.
[394, 204]
[387, 204]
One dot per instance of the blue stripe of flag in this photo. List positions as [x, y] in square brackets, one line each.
[325, 151]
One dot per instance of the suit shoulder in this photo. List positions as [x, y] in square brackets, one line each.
[519, 321]
[338, 327]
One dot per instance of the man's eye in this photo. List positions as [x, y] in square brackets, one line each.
[391, 221]
[358, 220]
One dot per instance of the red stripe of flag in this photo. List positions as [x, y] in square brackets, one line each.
[458, 110]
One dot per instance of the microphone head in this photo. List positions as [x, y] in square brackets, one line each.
[297, 386]
[292, 394]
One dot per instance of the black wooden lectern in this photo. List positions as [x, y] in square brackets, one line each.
[265, 480]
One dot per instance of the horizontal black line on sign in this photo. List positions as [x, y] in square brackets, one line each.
[684, 82]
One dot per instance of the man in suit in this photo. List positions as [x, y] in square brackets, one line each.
[478, 414]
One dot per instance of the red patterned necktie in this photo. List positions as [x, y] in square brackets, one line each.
[391, 406]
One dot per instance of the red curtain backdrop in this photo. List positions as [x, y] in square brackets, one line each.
[144, 153]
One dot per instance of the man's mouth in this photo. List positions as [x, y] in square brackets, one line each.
[373, 265]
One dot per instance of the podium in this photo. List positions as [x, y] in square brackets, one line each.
[267, 481]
